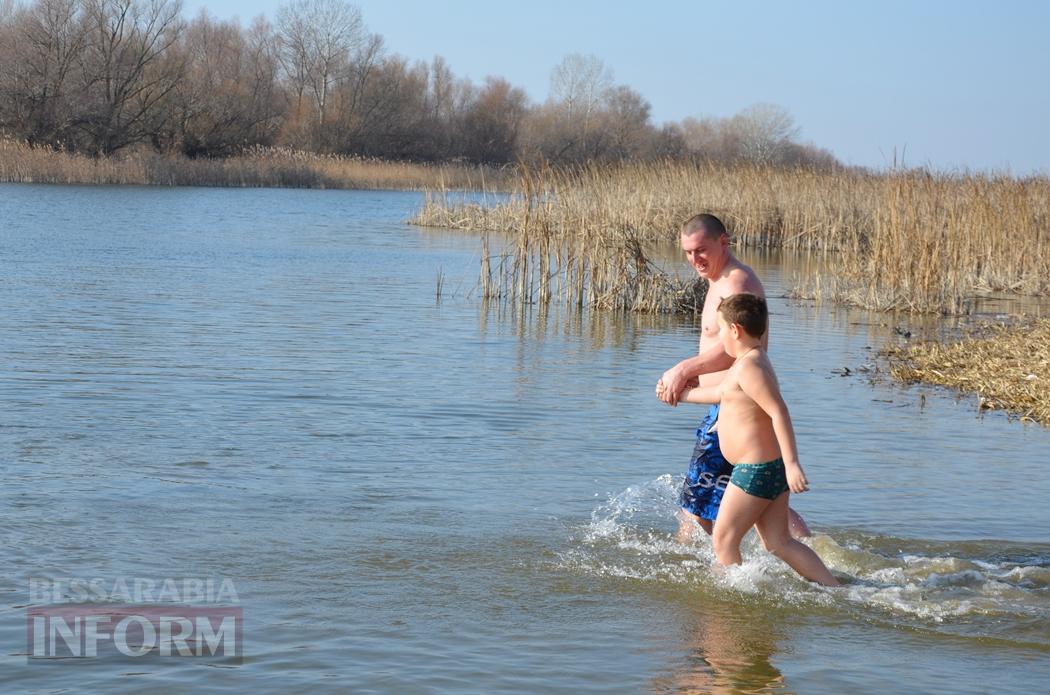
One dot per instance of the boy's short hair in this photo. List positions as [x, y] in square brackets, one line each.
[748, 310]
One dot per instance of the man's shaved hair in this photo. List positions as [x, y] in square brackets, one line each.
[708, 225]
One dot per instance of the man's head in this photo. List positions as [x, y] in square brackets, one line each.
[706, 245]
[742, 316]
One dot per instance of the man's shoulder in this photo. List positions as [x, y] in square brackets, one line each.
[742, 279]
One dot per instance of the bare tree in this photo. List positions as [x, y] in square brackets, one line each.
[365, 93]
[712, 139]
[491, 124]
[35, 79]
[104, 74]
[226, 100]
[128, 69]
[441, 89]
[263, 64]
[294, 53]
[579, 82]
[626, 123]
[569, 127]
[669, 143]
[319, 40]
[766, 132]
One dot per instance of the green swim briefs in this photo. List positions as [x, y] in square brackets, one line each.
[766, 480]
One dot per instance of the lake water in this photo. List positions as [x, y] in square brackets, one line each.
[413, 494]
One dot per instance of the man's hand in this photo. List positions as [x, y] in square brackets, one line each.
[797, 479]
[670, 386]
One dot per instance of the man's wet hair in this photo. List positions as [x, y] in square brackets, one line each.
[709, 225]
[748, 310]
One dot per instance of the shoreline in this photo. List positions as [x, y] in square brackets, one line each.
[259, 167]
[1006, 366]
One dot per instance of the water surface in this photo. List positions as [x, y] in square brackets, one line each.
[416, 494]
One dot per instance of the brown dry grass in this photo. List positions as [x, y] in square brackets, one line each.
[903, 240]
[258, 167]
[560, 257]
[1008, 367]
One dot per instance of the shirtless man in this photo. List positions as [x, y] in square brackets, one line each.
[706, 245]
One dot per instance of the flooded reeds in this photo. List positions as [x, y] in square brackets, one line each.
[258, 167]
[901, 240]
[1008, 367]
[544, 255]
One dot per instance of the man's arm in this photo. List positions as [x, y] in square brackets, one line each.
[713, 359]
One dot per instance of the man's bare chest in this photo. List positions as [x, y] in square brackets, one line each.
[709, 318]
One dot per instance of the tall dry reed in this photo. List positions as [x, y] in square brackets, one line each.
[903, 240]
[557, 252]
[257, 167]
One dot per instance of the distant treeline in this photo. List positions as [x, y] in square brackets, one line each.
[99, 76]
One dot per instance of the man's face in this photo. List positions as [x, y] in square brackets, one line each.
[705, 252]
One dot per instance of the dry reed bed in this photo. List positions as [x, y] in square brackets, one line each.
[257, 167]
[615, 275]
[903, 240]
[1008, 367]
[576, 264]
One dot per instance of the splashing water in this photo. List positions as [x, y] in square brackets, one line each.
[980, 589]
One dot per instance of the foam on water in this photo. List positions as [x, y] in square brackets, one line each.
[969, 590]
[632, 536]
[945, 589]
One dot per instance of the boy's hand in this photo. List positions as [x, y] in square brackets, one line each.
[663, 394]
[797, 479]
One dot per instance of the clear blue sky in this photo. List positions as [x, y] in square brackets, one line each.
[958, 84]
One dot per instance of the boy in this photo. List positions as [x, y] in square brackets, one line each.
[758, 439]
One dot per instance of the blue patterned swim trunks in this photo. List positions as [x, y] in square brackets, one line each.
[708, 474]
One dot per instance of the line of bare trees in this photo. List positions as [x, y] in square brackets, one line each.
[98, 76]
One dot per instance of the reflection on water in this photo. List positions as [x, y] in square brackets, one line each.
[414, 495]
[724, 651]
[598, 329]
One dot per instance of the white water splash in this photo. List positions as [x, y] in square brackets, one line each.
[632, 535]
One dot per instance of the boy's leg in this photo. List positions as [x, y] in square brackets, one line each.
[736, 516]
[687, 523]
[772, 527]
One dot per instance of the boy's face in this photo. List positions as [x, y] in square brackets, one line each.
[725, 333]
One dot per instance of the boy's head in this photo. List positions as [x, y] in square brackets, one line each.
[749, 311]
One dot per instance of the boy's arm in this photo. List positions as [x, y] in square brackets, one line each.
[701, 394]
[713, 359]
[761, 386]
